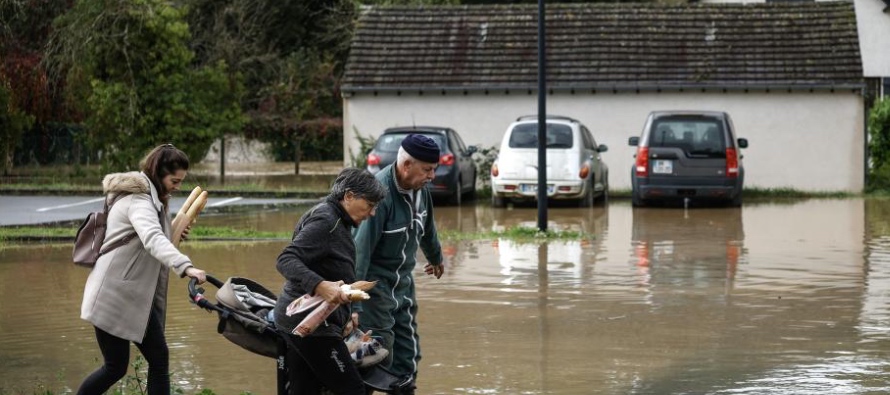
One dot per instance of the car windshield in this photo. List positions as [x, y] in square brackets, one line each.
[698, 137]
[526, 136]
[390, 142]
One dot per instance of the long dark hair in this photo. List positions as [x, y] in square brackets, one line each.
[160, 162]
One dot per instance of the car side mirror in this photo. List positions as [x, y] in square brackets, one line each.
[472, 150]
[743, 143]
[634, 141]
[602, 148]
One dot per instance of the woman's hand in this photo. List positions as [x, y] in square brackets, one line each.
[330, 291]
[185, 233]
[196, 274]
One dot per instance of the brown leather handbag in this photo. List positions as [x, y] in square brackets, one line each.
[91, 235]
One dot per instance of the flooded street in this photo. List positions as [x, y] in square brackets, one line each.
[773, 298]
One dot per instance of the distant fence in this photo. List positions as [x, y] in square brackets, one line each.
[50, 144]
[59, 144]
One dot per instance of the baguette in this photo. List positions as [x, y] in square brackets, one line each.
[189, 217]
[186, 205]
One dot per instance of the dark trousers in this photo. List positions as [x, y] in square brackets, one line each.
[314, 363]
[116, 352]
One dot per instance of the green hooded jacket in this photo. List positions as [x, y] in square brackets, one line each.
[386, 244]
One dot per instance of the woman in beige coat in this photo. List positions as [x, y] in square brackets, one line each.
[126, 293]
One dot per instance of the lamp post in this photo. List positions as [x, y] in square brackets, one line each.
[542, 122]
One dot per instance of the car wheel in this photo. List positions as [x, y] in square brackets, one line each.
[587, 200]
[737, 201]
[497, 201]
[635, 199]
[458, 193]
[472, 193]
[605, 196]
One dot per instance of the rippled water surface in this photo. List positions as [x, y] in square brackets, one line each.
[772, 298]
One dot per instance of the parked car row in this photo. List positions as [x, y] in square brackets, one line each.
[680, 156]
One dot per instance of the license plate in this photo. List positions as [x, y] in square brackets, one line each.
[532, 188]
[663, 167]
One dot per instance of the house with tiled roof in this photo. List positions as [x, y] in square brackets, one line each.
[790, 74]
[873, 23]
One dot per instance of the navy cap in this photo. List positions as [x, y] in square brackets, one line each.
[421, 148]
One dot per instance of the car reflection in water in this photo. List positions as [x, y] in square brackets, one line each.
[556, 262]
[689, 248]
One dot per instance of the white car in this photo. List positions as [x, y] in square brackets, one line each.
[575, 170]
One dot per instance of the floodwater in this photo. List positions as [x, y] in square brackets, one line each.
[772, 298]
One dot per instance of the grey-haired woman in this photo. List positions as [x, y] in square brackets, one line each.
[321, 257]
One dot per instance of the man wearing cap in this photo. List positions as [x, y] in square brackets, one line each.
[386, 249]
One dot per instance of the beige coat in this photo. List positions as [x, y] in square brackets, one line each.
[127, 282]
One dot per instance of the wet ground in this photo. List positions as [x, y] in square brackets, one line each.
[772, 298]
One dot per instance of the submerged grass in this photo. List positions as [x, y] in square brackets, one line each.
[132, 384]
[768, 193]
[205, 233]
[519, 233]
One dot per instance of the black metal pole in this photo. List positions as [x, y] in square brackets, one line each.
[222, 160]
[542, 122]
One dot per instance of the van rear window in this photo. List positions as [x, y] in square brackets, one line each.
[697, 137]
[526, 136]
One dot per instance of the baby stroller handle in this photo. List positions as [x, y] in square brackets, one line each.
[196, 294]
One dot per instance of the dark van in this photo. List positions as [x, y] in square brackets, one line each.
[687, 155]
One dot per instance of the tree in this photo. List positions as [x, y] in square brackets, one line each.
[879, 143]
[13, 122]
[24, 30]
[129, 63]
[290, 54]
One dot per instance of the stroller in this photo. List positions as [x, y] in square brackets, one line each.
[243, 308]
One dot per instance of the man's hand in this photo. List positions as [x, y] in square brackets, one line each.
[435, 270]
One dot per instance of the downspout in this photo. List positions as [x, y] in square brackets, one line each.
[865, 156]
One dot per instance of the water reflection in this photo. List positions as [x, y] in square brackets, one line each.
[767, 299]
[690, 248]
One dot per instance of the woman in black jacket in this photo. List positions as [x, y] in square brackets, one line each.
[320, 258]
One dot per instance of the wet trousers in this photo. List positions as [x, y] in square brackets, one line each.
[314, 363]
[116, 352]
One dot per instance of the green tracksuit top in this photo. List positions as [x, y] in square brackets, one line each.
[386, 249]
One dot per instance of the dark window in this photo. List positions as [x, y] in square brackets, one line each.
[886, 90]
[460, 142]
[525, 135]
[696, 136]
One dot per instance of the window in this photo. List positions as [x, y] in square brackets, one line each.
[697, 137]
[526, 136]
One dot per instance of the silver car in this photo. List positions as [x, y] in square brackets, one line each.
[575, 170]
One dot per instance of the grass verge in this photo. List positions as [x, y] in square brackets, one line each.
[9, 235]
[199, 233]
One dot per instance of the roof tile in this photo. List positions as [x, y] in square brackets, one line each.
[592, 46]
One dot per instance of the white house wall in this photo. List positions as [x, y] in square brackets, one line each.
[805, 141]
[874, 37]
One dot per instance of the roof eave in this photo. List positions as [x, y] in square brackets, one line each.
[843, 86]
